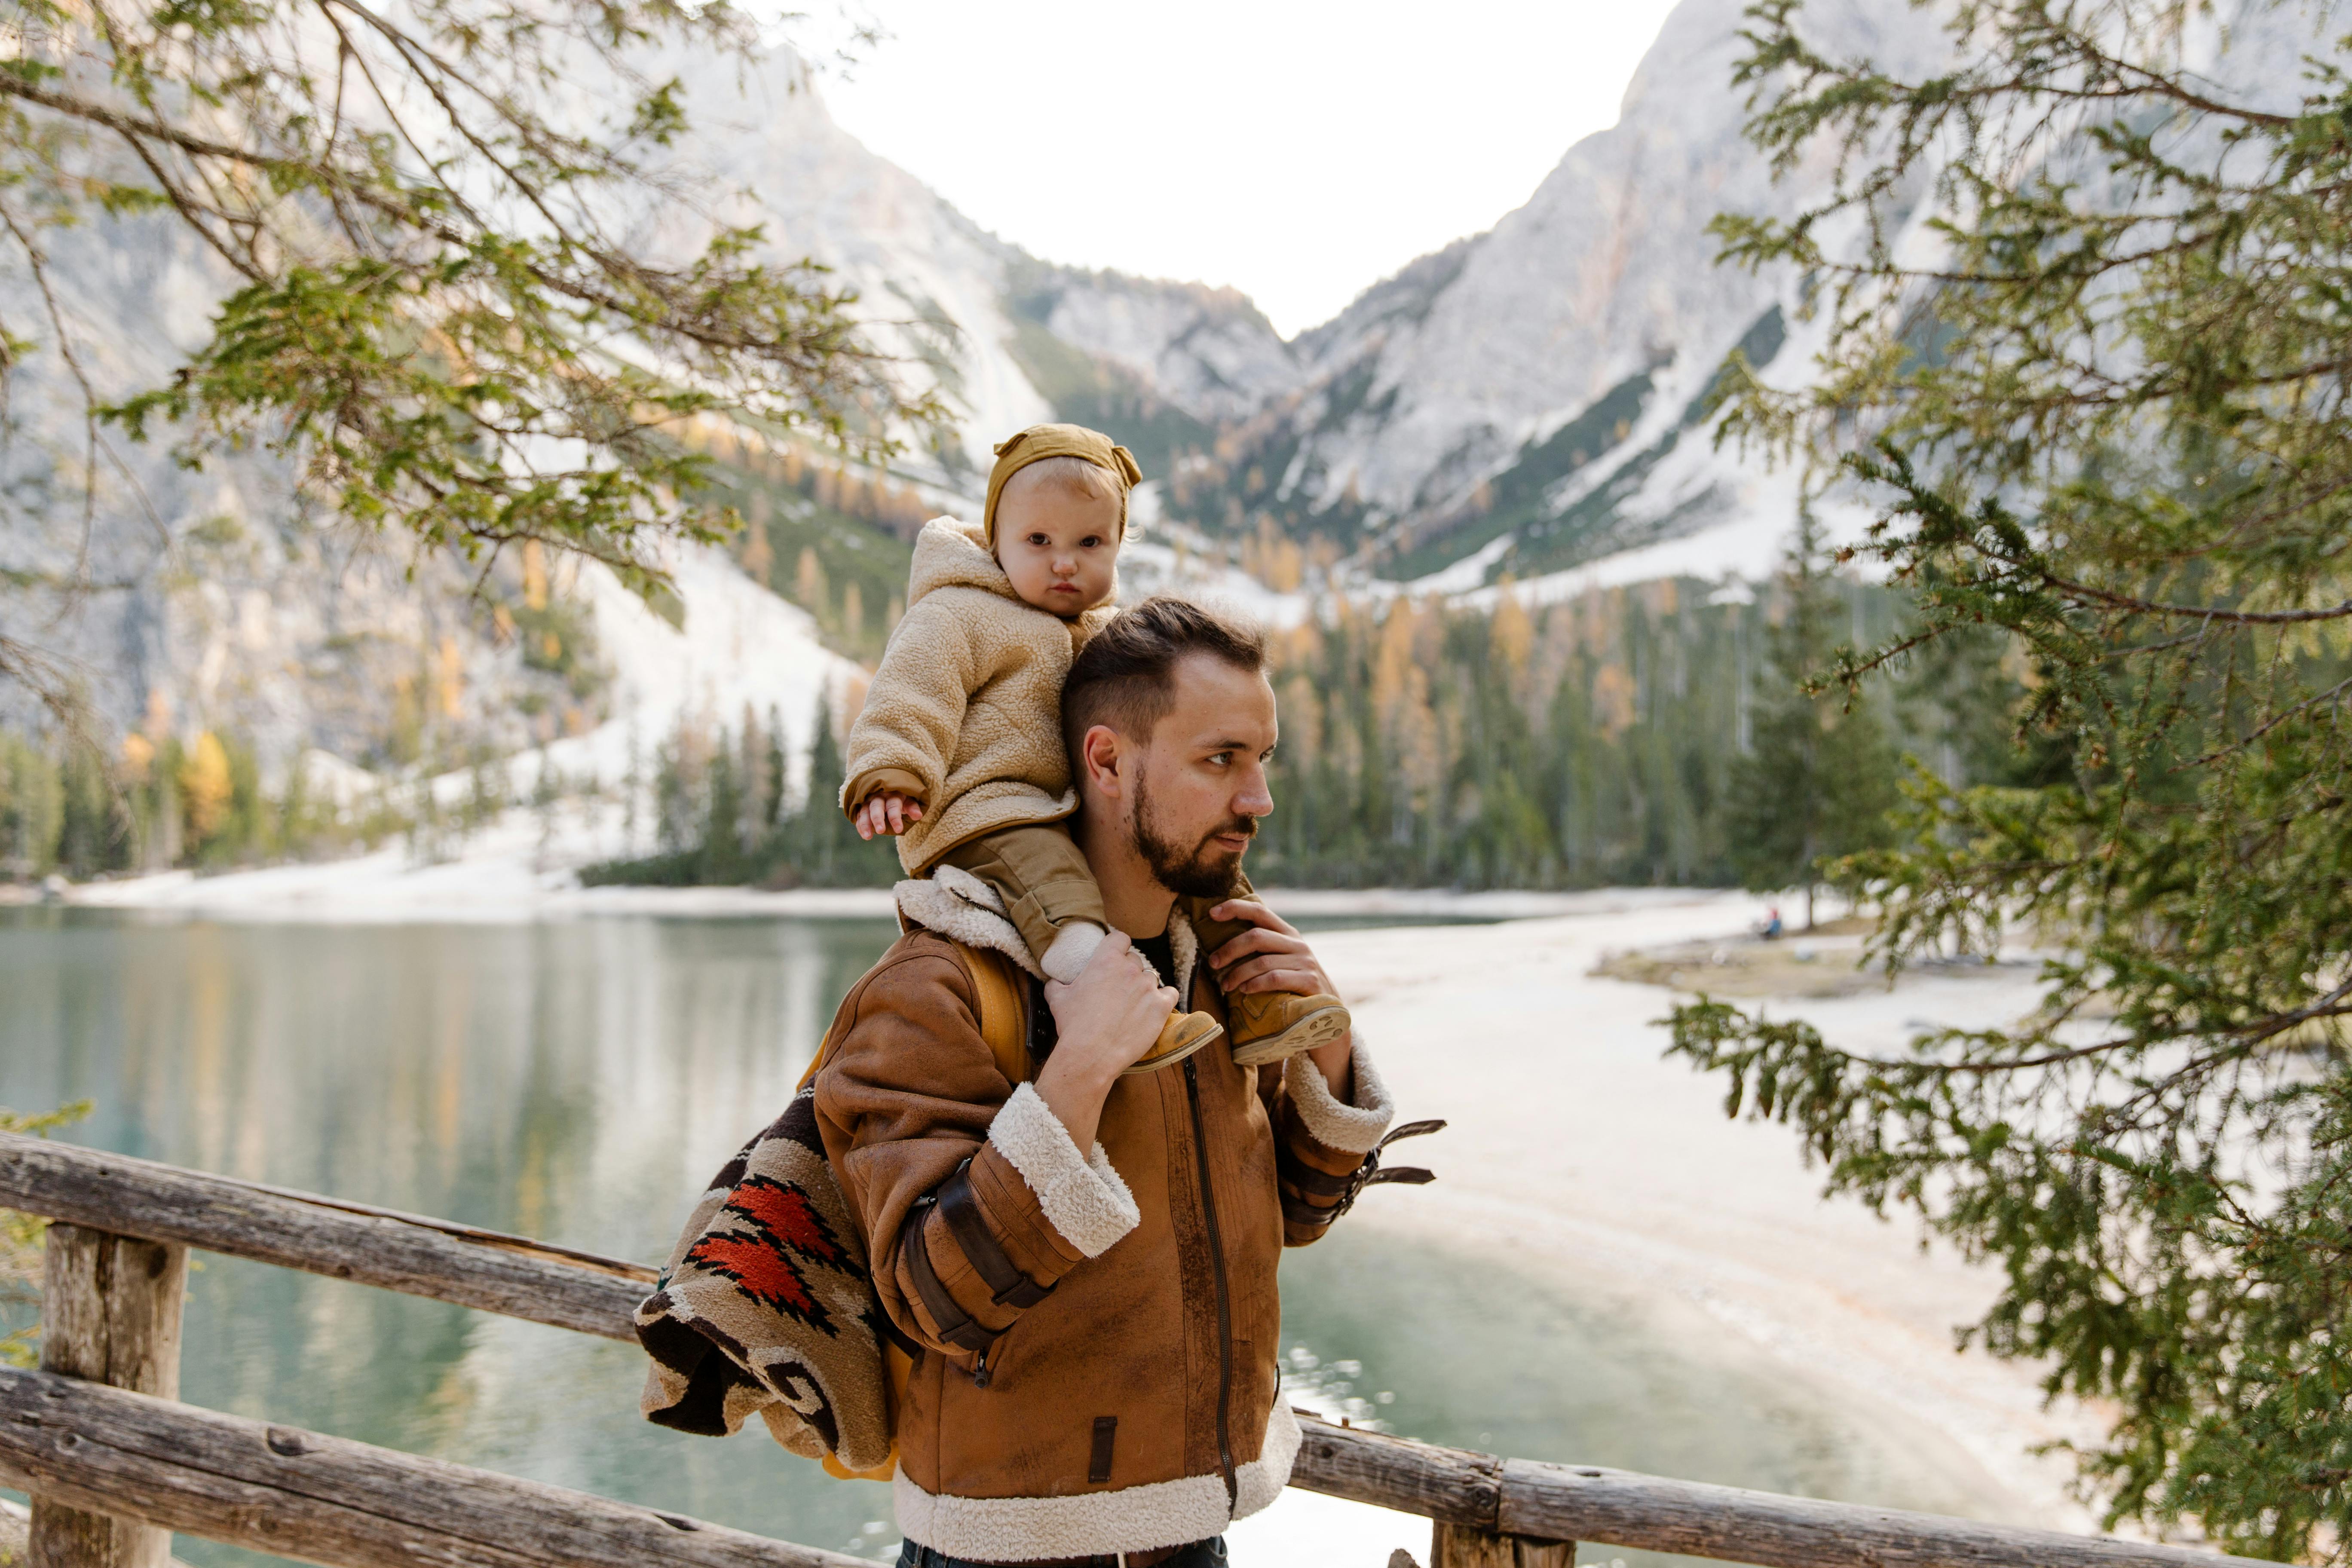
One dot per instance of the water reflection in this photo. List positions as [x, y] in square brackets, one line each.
[578, 1081]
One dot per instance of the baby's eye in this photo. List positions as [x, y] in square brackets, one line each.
[1040, 540]
[1091, 541]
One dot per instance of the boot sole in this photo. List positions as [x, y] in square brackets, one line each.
[1317, 1028]
[1170, 1057]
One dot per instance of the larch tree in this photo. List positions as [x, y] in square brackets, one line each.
[2088, 342]
[474, 297]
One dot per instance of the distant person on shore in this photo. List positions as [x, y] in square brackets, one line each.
[1088, 1260]
[959, 749]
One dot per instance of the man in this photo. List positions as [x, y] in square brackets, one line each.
[1088, 1260]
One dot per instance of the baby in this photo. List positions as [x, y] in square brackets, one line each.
[959, 749]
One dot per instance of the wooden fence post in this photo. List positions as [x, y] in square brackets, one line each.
[1466, 1546]
[109, 1313]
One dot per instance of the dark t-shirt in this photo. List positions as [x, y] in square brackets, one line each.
[1161, 952]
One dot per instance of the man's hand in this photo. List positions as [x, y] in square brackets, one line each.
[1106, 1020]
[886, 811]
[1275, 957]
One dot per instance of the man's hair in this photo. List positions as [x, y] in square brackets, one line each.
[1075, 475]
[1126, 675]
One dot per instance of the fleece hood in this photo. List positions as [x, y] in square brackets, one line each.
[952, 554]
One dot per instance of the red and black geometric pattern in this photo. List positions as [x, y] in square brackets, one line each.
[766, 1307]
[779, 1222]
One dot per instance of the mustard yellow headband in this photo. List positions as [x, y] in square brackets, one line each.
[1042, 441]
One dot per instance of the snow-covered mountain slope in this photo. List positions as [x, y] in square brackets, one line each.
[1530, 402]
[1531, 396]
[1013, 338]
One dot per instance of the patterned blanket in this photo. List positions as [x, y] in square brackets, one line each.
[766, 1306]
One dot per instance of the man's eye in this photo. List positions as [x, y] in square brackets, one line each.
[1221, 759]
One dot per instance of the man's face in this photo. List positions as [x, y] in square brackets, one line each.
[1201, 787]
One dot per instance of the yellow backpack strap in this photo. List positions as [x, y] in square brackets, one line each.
[1003, 1023]
[1003, 1011]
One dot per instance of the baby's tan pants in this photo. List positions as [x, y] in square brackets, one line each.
[1045, 884]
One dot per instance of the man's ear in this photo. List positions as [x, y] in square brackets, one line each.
[1099, 758]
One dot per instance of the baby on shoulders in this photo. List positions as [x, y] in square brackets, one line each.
[958, 754]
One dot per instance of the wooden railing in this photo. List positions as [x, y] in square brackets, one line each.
[114, 1463]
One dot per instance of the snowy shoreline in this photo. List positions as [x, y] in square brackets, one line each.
[508, 875]
[1600, 1170]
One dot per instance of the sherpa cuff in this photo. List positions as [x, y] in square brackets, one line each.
[1351, 1129]
[1085, 1199]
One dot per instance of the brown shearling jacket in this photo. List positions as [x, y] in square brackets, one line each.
[1098, 1332]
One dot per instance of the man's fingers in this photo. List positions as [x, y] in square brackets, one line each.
[1297, 981]
[1256, 913]
[1236, 978]
[1249, 942]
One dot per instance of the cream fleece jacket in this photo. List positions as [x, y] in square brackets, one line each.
[965, 712]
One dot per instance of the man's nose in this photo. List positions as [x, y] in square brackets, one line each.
[1254, 798]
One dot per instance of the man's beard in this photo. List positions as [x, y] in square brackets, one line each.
[1196, 871]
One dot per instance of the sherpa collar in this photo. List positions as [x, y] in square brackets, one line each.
[961, 907]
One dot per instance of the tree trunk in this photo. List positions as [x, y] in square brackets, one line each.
[109, 1313]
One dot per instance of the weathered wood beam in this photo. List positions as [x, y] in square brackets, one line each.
[324, 1499]
[1540, 1502]
[1443, 1484]
[109, 1313]
[496, 1273]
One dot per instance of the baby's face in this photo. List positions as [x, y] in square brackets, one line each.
[1059, 547]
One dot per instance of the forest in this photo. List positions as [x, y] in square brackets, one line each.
[1654, 733]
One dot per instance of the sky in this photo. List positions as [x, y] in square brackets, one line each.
[1297, 150]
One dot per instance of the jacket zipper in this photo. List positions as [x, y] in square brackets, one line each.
[1224, 1298]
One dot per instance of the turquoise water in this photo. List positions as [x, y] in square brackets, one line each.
[578, 1081]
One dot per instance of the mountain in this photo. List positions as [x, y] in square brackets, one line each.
[1533, 397]
[1532, 400]
[1529, 402]
[219, 599]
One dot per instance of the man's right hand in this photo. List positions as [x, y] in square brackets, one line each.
[886, 811]
[1104, 1022]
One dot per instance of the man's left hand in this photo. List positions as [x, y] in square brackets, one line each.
[1275, 957]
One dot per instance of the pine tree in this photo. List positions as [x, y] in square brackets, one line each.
[2128, 462]
[1819, 780]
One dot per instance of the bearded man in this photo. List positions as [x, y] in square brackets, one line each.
[1088, 1260]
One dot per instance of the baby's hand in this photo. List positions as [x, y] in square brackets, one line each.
[886, 811]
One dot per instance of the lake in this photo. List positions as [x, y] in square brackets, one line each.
[579, 1081]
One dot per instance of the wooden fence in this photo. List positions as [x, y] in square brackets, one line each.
[114, 1463]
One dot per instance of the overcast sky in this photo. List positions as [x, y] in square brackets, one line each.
[1296, 148]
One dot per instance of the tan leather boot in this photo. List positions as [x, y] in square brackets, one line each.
[1271, 1026]
[1184, 1033]
[1266, 1025]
